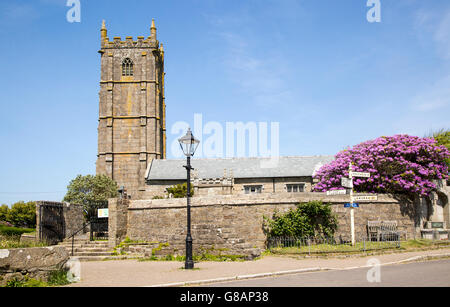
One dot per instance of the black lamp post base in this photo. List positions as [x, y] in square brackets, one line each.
[189, 264]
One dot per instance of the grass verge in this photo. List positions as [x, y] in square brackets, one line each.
[7, 242]
[359, 248]
[56, 279]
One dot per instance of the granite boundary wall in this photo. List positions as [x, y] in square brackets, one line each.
[235, 224]
[37, 262]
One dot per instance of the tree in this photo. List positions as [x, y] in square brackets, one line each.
[312, 219]
[3, 212]
[90, 191]
[179, 190]
[442, 138]
[22, 214]
[397, 164]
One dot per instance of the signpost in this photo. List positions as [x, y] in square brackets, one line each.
[348, 183]
[337, 192]
[359, 174]
[365, 197]
[352, 213]
[351, 205]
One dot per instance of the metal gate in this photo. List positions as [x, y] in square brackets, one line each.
[51, 223]
[98, 226]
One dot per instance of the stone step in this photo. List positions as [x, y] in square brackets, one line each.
[83, 244]
[85, 247]
[91, 253]
[85, 240]
[76, 239]
[101, 258]
[91, 249]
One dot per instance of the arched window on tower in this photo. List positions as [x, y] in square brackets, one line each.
[127, 67]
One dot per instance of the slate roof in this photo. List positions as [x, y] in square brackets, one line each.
[289, 166]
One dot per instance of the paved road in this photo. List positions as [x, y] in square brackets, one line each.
[418, 274]
[133, 273]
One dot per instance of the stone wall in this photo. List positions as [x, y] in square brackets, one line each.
[117, 221]
[35, 262]
[235, 224]
[73, 217]
[269, 185]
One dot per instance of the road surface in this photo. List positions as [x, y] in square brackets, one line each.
[434, 273]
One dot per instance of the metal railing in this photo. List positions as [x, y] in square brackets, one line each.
[321, 245]
[96, 231]
[75, 233]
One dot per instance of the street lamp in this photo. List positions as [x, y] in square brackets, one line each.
[188, 144]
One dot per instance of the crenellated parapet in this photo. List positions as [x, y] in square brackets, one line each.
[129, 42]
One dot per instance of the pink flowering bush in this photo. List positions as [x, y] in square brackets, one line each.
[397, 164]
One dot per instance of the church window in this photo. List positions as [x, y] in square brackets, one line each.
[253, 189]
[127, 67]
[295, 188]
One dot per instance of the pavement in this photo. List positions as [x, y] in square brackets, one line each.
[134, 273]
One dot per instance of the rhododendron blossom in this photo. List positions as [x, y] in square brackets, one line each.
[397, 164]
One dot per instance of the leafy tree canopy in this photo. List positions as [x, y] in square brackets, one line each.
[442, 138]
[3, 211]
[20, 214]
[90, 190]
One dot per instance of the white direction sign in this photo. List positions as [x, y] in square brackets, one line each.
[359, 174]
[365, 197]
[337, 192]
[347, 183]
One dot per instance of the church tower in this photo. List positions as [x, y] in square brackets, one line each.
[131, 129]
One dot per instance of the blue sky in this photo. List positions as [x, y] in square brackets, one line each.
[318, 67]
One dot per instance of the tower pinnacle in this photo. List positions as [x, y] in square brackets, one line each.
[153, 29]
[103, 31]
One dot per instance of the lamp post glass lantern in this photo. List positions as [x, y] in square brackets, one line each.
[188, 144]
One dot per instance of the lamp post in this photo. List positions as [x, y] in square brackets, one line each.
[188, 144]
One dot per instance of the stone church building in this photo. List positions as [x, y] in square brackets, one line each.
[235, 193]
[132, 133]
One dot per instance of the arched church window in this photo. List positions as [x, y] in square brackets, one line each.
[127, 67]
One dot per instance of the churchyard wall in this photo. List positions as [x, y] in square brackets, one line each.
[235, 224]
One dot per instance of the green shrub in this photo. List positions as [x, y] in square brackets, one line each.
[58, 278]
[312, 219]
[14, 231]
[179, 190]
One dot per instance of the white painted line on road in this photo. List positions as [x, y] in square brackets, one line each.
[259, 275]
[239, 277]
[175, 284]
[208, 281]
[298, 271]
